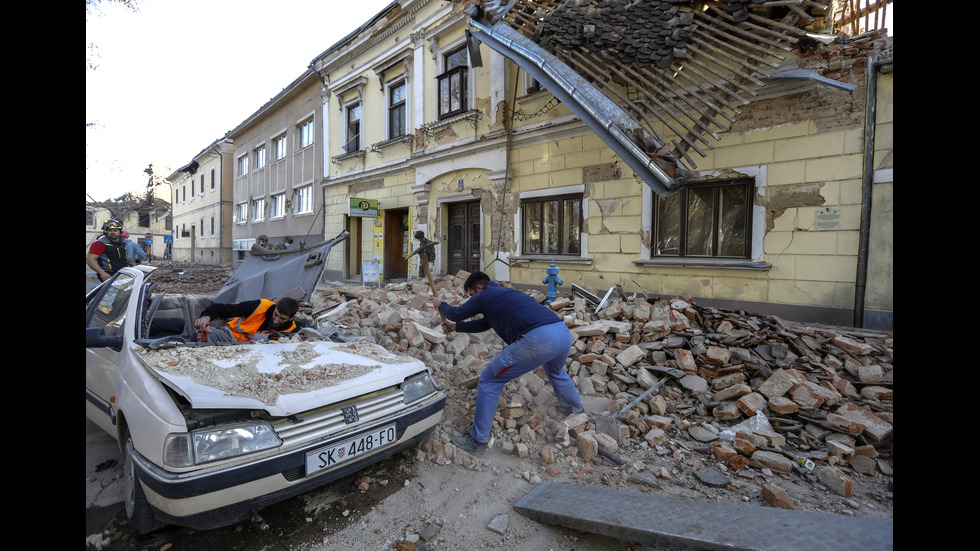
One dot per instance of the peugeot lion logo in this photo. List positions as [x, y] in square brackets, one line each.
[350, 414]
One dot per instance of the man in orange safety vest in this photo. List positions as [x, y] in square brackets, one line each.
[251, 320]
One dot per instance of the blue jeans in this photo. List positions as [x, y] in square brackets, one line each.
[546, 346]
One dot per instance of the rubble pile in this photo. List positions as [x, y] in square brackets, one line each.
[191, 278]
[736, 396]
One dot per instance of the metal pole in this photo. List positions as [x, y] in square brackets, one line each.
[871, 110]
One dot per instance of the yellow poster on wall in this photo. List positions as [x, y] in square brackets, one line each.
[378, 252]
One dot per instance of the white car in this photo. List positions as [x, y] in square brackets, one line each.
[213, 433]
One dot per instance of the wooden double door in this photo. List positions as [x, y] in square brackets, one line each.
[463, 244]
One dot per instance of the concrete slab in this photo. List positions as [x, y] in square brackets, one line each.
[686, 524]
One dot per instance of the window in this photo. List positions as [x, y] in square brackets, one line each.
[279, 148]
[201, 225]
[183, 190]
[212, 178]
[212, 225]
[258, 210]
[241, 215]
[553, 225]
[352, 139]
[259, 158]
[304, 200]
[396, 110]
[452, 84]
[706, 220]
[242, 165]
[202, 183]
[306, 134]
[531, 84]
[112, 307]
[278, 206]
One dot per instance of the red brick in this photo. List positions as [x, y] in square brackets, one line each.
[777, 497]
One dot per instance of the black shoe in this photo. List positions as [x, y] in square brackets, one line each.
[565, 411]
[466, 442]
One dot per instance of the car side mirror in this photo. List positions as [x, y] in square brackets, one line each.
[95, 337]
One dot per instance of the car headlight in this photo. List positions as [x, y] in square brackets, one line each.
[213, 444]
[418, 387]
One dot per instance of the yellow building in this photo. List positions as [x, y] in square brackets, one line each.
[415, 126]
[768, 191]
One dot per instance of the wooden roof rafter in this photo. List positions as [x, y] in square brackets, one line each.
[691, 63]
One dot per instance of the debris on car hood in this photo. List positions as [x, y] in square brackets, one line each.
[283, 377]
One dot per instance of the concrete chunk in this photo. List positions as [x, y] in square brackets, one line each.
[687, 523]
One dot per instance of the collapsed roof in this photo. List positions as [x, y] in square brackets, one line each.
[626, 66]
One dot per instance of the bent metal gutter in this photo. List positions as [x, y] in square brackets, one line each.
[601, 114]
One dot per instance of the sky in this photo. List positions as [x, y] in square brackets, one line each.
[174, 76]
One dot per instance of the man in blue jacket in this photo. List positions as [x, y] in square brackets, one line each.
[535, 336]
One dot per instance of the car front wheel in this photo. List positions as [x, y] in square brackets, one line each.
[138, 510]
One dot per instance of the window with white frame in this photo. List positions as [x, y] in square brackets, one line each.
[278, 206]
[306, 134]
[242, 165]
[352, 131]
[259, 158]
[202, 184]
[451, 84]
[212, 225]
[304, 200]
[258, 210]
[552, 225]
[712, 220]
[241, 213]
[397, 110]
[279, 148]
[201, 227]
[531, 84]
[212, 178]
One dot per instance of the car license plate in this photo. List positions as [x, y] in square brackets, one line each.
[326, 458]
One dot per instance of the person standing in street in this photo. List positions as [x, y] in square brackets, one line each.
[107, 254]
[535, 336]
[428, 255]
[135, 253]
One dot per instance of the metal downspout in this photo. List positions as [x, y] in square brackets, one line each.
[221, 173]
[871, 110]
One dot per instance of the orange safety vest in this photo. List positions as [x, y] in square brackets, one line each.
[243, 328]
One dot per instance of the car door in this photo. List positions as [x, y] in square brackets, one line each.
[108, 309]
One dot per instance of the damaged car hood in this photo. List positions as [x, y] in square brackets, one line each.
[281, 378]
[274, 274]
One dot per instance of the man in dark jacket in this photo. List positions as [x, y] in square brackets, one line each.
[251, 320]
[535, 336]
[107, 254]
